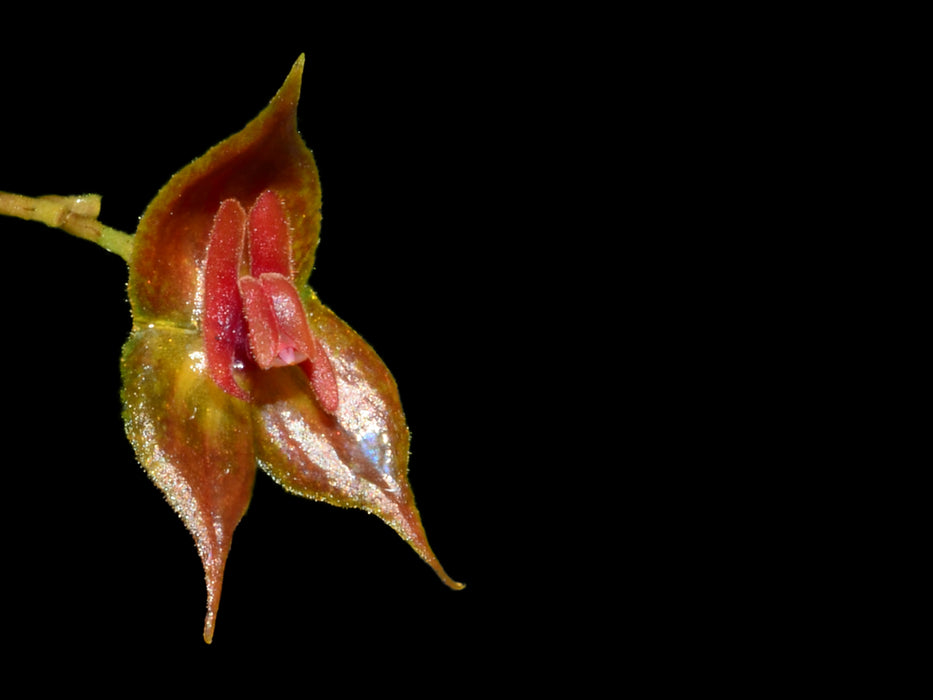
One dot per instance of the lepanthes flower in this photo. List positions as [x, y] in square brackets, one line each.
[233, 362]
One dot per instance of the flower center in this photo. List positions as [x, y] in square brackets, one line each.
[259, 314]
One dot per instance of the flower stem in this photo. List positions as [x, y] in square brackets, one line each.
[76, 215]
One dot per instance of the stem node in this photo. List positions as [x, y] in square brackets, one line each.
[76, 214]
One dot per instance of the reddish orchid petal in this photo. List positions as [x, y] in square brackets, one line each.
[223, 321]
[269, 237]
[322, 377]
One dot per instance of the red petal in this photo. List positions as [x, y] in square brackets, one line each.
[323, 380]
[270, 244]
[224, 330]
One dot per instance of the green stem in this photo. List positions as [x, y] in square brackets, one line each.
[76, 215]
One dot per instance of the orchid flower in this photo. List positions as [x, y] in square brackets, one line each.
[232, 362]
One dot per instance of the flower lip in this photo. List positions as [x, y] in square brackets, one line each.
[258, 316]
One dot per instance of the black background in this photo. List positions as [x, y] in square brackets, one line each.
[422, 132]
[484, 206]
[516, 216]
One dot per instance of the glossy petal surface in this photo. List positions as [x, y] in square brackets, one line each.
[356, 458]
[193, 439]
